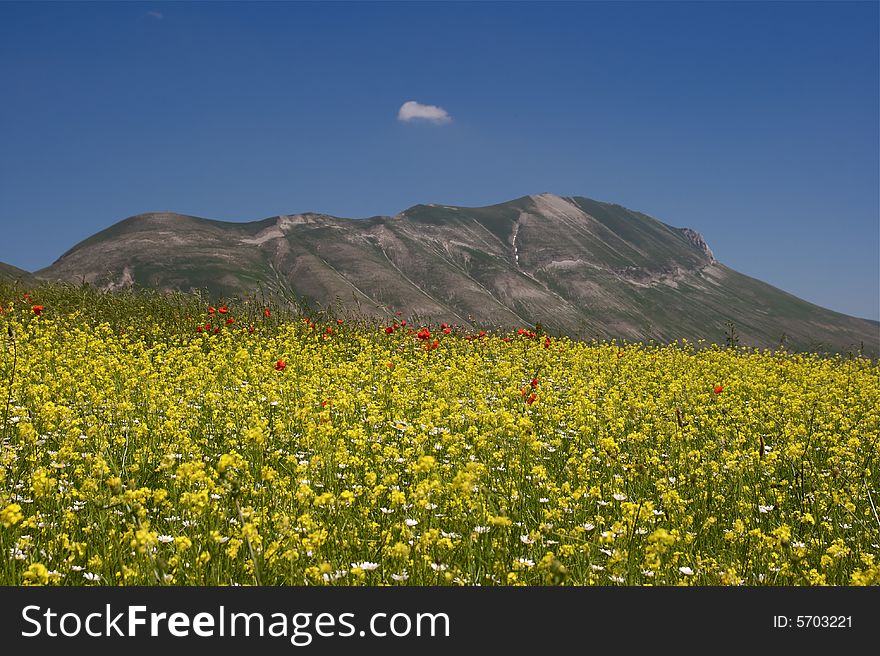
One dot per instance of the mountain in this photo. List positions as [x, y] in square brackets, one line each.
[576, 265]
[11, 273]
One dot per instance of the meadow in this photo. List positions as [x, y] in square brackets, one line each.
[153, 439]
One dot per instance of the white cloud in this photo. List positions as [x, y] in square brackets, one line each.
[158, 15]
[415, 111]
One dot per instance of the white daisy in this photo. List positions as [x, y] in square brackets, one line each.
[366, 565]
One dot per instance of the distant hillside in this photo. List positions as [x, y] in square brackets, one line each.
[9, 272]
[576, 265]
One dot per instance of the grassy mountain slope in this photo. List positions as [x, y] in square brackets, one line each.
[9, 272]
[577, 265]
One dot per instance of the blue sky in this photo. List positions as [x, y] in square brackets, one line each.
[754, 123]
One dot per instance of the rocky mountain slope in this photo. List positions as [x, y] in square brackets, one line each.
[576, 265]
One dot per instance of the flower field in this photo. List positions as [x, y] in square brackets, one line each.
[152, 440]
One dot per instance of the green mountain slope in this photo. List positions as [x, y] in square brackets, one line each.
[578, 266]
[9, 272]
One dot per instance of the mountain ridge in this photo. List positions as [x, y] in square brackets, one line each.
[12, 273]
[576, 265]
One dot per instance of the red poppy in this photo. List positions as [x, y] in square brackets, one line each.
[279, 366]
[339, 322]
[718, 389]
[211, 309]
[447, 330]
[329, 330]
[403, 323]
[230, 320]
[398, 313]
[546, 342]
[424, 333]
[223, 309]
[199, 329]
[38, 309]
[443, 326]
[534, 382]
[389, 330]
[266, 313]
[482, 333]
[531, 398]
[251, 329]
[505, 339]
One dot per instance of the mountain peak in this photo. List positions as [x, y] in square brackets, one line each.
[576, 265]
[553, 204]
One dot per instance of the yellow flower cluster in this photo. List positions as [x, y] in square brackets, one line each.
[296, 454]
